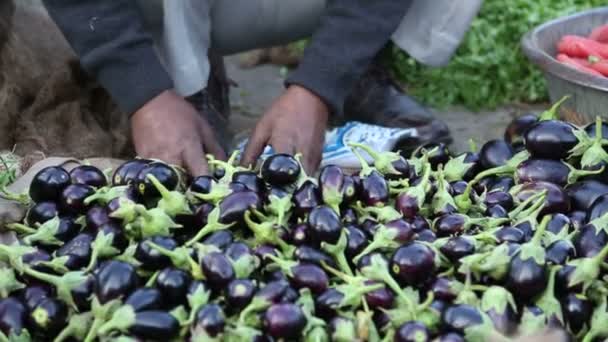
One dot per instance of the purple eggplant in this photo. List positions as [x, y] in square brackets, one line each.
[509, 234]
[374, 189]
[357, 241]
[144, 299]
[81, 294]
[41, 212]
[497, 211]
[560, 251]
[412, 332]
[558, 223]
[96, 217]
[201, 185]
[325, 224]
[33, 294]
[500, 307]
[457, 247]
[126, 173]
[331, 181]
[173, 283]
[77, 250]
[163, 173]
[584, 193]
[305, 198]
[577, 311]
[284, 321]
[495, 153]
[115, 279]
[48, 317]
[518, 127]
[13, 316]
[458, 318]
[150, 258]
[48, 184]
[88, 175]
[72, 198]
[280, 170]
[549, 170]
[502, 198]
[443, 289]
[250, 180]
[233, 207]
[551, 139]
[217, 270]
[211, 320]
[307, 254]
[413, 264]
[556, 199]
[380, 298]
[239, 294]
[327, 303]
[439, 154]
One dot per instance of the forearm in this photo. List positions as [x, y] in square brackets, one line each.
[113, 47]
[351, 34]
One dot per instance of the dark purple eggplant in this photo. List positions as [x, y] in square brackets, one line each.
[381, 298]
[325, 224]
[526, 278]
[128, 171]
[201, 185]
[220, 239]
[450, 337]
[33, 294]
[351, 190]
[301, 235]
[413, 264]
[154, 325]
[504, 183]
[233, 207]
[457, 318]
[88, 175]
[48, 317]
[457, 247]
[500, 307]
[556, 199]
[331, 181]
[599, 208]
[585, 192]
[284, 321]
[13, 316]
[218, 270]
[589, 240]
[115, 279]
[237, 250]
[389, 236]
[509, 234]
[426, 235]
[497, 211]
[458, 188]
[374, 189]
[438, 153]
[78, 251]
[307, 254]
[150, 258]
[145, 299]
[35, 257]
[250, 180]
[41, 212]
[81, 294]
[327, 303]
[305, 198]
[577, 311]
[72, 198]
[96, 217]
[211, 320]
[502, 198]
[443, 289]
[578, 219]
[48, 184]
[173, 283]
[357, 241]
[239, 294]
[558, 223]
[164, 173]
[560, 251]
[551, 139]
[309, 276]
[495, 153]
[407, 205]
[280, 170]
[518, 127]
[412, 332]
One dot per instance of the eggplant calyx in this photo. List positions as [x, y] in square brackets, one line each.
[534, 249]
[497, 298]
[239, 332]
[466, 295]
[257, 304]
[218, 192]
[598, 327]
[600, 224]
[228, 166]
[575, 174]
[265, 232]
[280, 207]
[197, 300]
[442, 199]
[381, 214]
[245, 265]
[587, 270]
[9, 282]
[484, 331]
[180, 256]
[127, 210]
[57, 264]
[64, 283]
[528, 207]
[122, 319]
[77, 328]
[154, 222]
[383, 161]
[172, 202]
[13, 254]
[23, 198]
[102, 246]
[383, 238]
[106, 194]
[456, 168]
[551, 113]
[20, 228]
[378, 270]
[366, 170]
[45, 234]
[128, 256]
[285, 266]
[547, 301]
[213, 225]
[337, 251]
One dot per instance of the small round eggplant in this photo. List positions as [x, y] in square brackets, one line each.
[41, 212]
[88, 175]
[327, 303]
[35, 257]
[509, 234]
[325, 224]
[164, 173]
[126, 173]
[201, 184]
[211, 319]
[309, 276]
[151, 259]
[96, 217]
[82, 294]
[426, 235]
[578, 219]
[48, 317]
[438, 153]
[374, 190]
[217, 270]
[33, 294]
[234, 206]
[526, 278]
[154, 325]
[78, 251]
[458, 188]
[502, 198]
[250, 180]
[357, 241]
[173, 283]
[307, 254]
[599, 208]
[301, 235]
[412, 332]
[457, 247]
[545, 170]
[284, 321]
[450, 337]
[443, 290]
[220, 239]
[145, 299]
[558, 223]
[237, 250]
[115, 279]
[48, 184]
[239, 294]
[497, 211]
[413, 264]
[589, 241]
[382, 298]
[551, 139]
[585, 192]
[495, 153]
[68, 228]
[560, 251]
[13, 316]
[280, 170]
[448, 225]
[458, 318]
[504, 183]
[352, 187]
[72, 198]
[556, 200]
[306, 198]
[577, 311]
[518, 127]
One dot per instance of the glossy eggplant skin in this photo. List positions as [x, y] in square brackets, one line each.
[82, 294]
[551, 139]
[201, 184]
[588, 242]
[88, 175]
[441, 153]
[48, 184]
[31, 296]
[234, 206]
[217, 270]
[325, 224]
[577, 311]
[413, 264]
[502, 198]
[154, 325]
[211, 319]
[164, 173]
[127, 172]
[250, 180]
[457, 318]
[13, 316]
[308, 254]
[546, 170]
[280, 169]
[306, 197]
[150, 258]
[145, 299]
[584, 193]
[412, 332]
[374, 189]
[72, 198]
[284, 321]
[457, 247]
[327, 303]
[598, 208]
[239, 294]
[115, 279]
[48, 317]
[41, 212]
[518, 127]
[495, 153]
[173, 283]
[526, 278]
[78, 251]
[556, 200]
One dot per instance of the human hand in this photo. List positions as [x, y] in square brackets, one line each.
[170, 129]
[295, 123]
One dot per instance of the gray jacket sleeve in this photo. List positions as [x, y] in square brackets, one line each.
[113, 47]
[351, 33]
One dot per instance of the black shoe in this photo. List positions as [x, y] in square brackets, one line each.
[377, 99]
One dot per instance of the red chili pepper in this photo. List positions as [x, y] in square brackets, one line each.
[580, 64]
[575, 46]
[600, 34]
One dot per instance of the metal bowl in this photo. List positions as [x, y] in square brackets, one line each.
[588, 93]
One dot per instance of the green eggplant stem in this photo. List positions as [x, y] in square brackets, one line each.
[540, 230]
[551, 114]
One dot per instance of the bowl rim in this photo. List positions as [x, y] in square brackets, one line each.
[549, 64]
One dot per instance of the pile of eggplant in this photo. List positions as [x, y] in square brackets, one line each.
[507, 241]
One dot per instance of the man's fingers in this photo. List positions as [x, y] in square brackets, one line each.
[255, 145]
[194, 160]
[212, 146]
